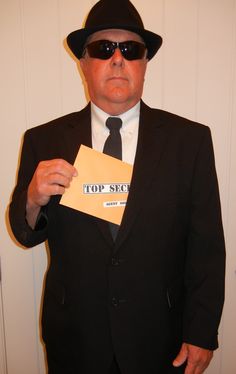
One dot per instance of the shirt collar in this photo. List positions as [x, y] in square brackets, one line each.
[130, 119]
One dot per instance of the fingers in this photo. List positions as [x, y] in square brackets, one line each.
[182, 356]
[50, 178]
[56, 166]
[197, 358]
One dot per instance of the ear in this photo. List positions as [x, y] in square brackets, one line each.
[83, 66]
[82, 63]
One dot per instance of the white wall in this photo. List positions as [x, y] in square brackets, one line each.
[193, 75]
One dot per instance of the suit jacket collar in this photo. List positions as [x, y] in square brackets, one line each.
[80, 133]
[151, 143]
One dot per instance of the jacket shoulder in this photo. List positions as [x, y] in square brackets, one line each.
[174, 121]
[61, 123]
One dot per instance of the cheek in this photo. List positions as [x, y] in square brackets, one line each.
[93, 80]
[137, 81]
[97, 75]
[93, 71]
[137, 74]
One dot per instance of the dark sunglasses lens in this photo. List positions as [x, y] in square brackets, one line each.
[102, 49]
[132, 50]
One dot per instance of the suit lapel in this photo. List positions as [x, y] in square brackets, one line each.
[80, 133]
[151, 143]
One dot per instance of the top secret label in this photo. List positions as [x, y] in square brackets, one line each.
[106, 188]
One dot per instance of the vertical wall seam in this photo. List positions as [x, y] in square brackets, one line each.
[27, 126]
[197, 74]
[232, 112]
[37, 330]
[24, 63]
[163, 55]
[232, 93]
[60, 48]
[3, 329]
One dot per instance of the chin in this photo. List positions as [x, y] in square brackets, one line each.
[119, 96]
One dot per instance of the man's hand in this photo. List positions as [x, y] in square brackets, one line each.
[50, 178]
[197, 358]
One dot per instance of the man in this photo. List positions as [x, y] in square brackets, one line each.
[150, 299]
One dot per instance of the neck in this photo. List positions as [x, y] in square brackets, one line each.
[116, 109]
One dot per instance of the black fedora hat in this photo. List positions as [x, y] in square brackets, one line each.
[113, 14]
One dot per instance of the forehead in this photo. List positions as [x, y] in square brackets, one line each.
[115, 35]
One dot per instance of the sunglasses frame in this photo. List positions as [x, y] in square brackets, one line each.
[107, 48]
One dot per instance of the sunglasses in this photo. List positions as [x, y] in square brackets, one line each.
[104, 49]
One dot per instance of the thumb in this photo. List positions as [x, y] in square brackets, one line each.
[182, 356]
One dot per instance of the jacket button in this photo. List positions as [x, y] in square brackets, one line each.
[115, 262]
[114, 302]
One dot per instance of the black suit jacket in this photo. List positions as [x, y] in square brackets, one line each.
[162, 281]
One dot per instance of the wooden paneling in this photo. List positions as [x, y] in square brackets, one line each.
[3, 361]
[228, 364]
[17, 280]
[180, 56]
[194, 75]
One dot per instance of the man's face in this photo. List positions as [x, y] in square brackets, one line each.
[115, 85]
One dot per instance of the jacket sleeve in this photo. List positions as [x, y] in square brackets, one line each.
[205, 261]
[17, 210]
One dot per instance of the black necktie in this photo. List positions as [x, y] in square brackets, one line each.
[113, 147]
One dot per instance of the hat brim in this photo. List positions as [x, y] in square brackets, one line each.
[77, 39]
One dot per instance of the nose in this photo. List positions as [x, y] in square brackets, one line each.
[117, 58]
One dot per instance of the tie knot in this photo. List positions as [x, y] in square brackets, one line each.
[113, 123]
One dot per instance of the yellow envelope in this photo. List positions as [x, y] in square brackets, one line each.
[101, 187]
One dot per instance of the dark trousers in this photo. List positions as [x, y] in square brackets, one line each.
[56, 367]
[114, 367]
[172, 370]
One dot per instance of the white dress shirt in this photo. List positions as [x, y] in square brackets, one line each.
[128, 131]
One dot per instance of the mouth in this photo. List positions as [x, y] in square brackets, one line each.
[118, 78]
